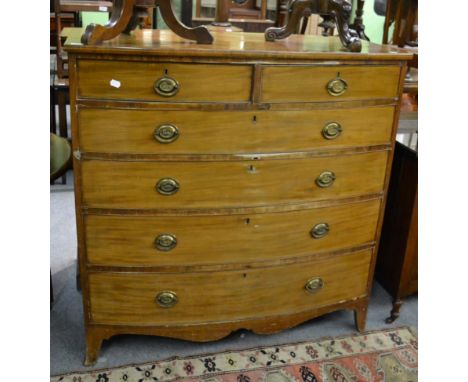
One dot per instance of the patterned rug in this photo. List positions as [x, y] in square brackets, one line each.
[387, 355]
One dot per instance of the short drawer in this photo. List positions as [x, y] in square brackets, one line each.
[119, 184]
[328, 83]
[185, 240]
[123, 80]
[205, 132]
[187, 298]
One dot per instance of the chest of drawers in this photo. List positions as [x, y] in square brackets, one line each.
[228, 186]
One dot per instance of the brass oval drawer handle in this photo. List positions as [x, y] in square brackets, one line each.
[165, 242]
[314, 285]
[166, 86]
[325, 179]
[166, 133]
[337, 87]
[332, 130]
[167, 299]
[167, 186]
[320, 230]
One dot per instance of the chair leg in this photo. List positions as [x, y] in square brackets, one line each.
[62, 109]
[53, 124]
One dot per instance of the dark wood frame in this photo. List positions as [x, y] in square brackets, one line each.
[358, 23]
[396, 12]
[124, 19]
[339, 10]
[398, 254]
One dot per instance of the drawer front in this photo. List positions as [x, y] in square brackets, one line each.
[309, 84]
[198, 132]
[136, 241]
[130, 298]
[136, 81]
[112, 184]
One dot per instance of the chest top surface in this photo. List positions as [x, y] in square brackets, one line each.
[235, 45]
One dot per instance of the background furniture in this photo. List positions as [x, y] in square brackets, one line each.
[65, 14]
[397, 262]
[125, 18]
[242, 14]
[59, 99]
[338, 11]
[328, 24]
[190, 194]
[60, 162]
[358, 22]
[408, 125]
[60, 156]
[403, 14]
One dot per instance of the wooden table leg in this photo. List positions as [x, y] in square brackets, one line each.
[94, 340]
[360, 315]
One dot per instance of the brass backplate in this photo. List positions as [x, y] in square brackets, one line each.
[166, 133]
[337, 87]
[314, 285]
[325, 179]
[166, 86]
[167, 186]
[167, 299]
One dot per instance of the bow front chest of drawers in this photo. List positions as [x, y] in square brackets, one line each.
[227, 186]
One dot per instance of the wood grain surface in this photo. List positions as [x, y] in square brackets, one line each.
[119, 184]
[250, 115]
[129, 240]
[129, 298]
[200, 132]
[235, 46]
[308, 84]
[202, 83]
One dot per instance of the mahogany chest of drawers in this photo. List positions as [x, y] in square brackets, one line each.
[226, 186]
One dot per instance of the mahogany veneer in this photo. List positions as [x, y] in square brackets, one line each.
[235, 185]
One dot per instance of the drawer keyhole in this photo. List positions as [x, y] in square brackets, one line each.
[252, 169]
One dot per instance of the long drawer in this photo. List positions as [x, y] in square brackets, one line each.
[198, 132]
[114, 184]
[328, 83]
[194, 240]
[158, 298]
[123, 80]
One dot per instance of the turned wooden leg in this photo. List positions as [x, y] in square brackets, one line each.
[122, 11]
[360, 314]
[94, 340]
[358, 24]
[395, 313]
[341, 10]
